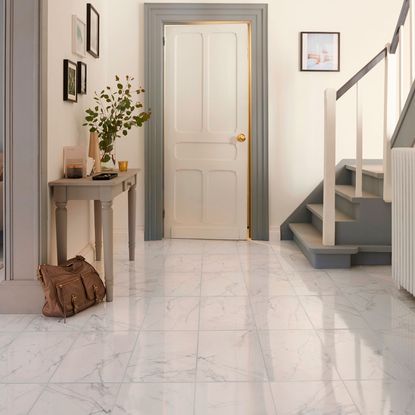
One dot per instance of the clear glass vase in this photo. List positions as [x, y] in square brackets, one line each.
[107, 153]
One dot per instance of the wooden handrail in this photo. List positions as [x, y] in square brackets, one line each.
[359, 75]
[401, 22]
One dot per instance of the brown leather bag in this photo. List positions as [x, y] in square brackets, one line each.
[70, 288]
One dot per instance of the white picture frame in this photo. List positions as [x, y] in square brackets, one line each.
[78, 37]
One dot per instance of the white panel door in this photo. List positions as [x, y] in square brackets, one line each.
[206, 110]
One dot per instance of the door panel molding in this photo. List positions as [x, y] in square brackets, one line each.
[157, 15]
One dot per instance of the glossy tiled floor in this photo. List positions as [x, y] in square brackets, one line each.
[219, 328]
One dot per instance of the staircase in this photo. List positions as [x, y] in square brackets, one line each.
[362, 224]
[346, 220]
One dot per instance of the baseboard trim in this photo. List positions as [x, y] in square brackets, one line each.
[29, 294]
[274, 233]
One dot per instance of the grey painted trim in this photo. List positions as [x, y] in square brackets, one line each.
[157, 15]
[44, 230]
[404, 131]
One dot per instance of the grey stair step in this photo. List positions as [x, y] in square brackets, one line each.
[318, 211]
[311, 238]
[374, 170]
[348, 192]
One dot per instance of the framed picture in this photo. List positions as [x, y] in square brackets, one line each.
[82, 78]
[320, 51]
[78, 37]
[69, 80]
[92, 38]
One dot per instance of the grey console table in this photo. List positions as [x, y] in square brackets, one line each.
[102, 193]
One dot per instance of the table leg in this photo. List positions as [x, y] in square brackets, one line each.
[98, 230]
[132, 211]
[107, 224]
[61, 231]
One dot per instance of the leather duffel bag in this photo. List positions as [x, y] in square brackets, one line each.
[70, 287]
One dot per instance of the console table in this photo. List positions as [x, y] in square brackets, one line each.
[102, 192]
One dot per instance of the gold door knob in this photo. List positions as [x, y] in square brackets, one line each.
[241, 138]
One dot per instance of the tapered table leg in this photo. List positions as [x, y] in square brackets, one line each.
[98, 230]
[61, 231]
[131, 221]
[107, 224]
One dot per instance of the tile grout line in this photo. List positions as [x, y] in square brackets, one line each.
[268, 383]
[198, 336]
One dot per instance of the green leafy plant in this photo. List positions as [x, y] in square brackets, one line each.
[116, 111]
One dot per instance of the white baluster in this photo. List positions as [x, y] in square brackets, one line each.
[359, 144]
[329, 204]
[390, 120]
[401, 74]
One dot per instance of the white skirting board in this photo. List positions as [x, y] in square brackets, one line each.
[403, 218]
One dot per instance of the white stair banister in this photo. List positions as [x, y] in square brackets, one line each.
[329, 197]
[390, 121]
[359, 144]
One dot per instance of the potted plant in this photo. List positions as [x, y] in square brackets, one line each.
[114, 114]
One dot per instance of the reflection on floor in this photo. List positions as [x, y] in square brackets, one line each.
[232, 328]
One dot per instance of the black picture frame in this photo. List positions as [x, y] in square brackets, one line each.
[70, 81]
[82, 78]
[303, 67]
[92, 30]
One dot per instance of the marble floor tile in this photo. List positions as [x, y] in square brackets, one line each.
[50, 324]
[183, 246]
[221, 263]
[163, 356]
[79, 399]
[313, 398]
[224, 313]
[97, 357]
[220, 247]
[267, 285]
[173, 313]
[332, 312]
[361, 355]
[280, 312]
[260, 263]
[382, 397]
[223, 284]
[15, 322]
[124, 313]
[155, 399]
[32, 357]
[383, 311]
[230, 398]
[226, 356]
[313, 283]
[183, 263]
[296, 355]
[17, 399]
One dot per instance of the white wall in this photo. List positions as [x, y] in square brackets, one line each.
[65, 119]
[295, 98]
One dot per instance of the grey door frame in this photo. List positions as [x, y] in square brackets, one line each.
[157, 16]
[25, 161]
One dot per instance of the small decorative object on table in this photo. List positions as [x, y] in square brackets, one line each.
[114, 114]
[74, 162]
[123, 165]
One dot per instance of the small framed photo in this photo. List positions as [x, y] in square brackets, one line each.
[69, 80]
[320, 51]
[78, 37]
[92, 22]
[82, 78]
